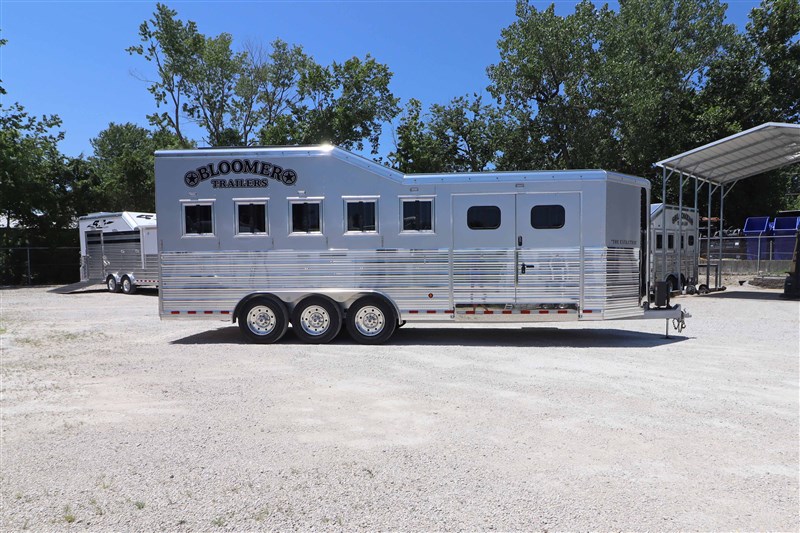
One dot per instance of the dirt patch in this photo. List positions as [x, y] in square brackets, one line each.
[114, 420]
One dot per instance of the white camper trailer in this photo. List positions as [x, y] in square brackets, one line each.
[319, 237]
[674, 246]
[119, 250]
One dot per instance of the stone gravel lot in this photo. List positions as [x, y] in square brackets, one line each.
[114, 420]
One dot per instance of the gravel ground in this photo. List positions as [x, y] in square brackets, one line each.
[114, 420]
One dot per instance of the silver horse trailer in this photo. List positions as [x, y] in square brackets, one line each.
[674, 246]
[119, 250]
[320, 238]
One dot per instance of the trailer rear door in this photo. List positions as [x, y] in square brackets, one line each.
[94, 256]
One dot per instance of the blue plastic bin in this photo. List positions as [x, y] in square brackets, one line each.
[785, 230]
[757, 227]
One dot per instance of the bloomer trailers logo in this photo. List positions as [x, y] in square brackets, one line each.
[686, 219]
[213, 171]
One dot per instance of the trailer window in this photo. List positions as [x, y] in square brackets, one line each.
[659, 241]
[670, 242]
[198, 219]
[417, 215]
[691, 240]
[306, 217]
[483, 217]
[361, 216]
[548, 216]
[251, 218]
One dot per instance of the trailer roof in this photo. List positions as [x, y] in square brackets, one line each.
[387, 172]
[751, 152]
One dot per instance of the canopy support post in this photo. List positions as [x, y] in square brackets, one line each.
[664, 179]
[708, 239]
[679, 239]
[721, 231]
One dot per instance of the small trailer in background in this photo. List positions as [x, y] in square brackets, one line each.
[322, 238]
[674, 246]
[119, 250]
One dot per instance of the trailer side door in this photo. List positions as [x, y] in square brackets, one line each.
[549, 255]
[484, 255]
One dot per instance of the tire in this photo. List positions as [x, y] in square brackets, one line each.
[371, 320]
[672, 283]
[263, 320]
[691, 289]
[703, 289]
[127, 285]
[111, 284]
[317, 320]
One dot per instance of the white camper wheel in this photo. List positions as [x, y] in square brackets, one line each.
[371, 320]
[127, 285]
[111, 284]
[263, 320]
[317, 320]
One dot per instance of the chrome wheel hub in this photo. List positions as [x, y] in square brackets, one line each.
[261, 320]
[370, 321]
[315, 320]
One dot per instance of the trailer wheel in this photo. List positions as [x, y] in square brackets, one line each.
[127, 285]
[263, 320]
[703, 289]
[371, 320]
[317, 320]
[672, 283]
[111, 284]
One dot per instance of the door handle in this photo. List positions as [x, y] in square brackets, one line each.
[525, 267]
[519, 240]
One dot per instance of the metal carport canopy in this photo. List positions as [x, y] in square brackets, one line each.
[766, 147]
[722, 164]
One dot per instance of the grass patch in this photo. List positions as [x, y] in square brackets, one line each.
[69, 516]
[139, 505]
[263, 514]
[218, 521]
[97, 509]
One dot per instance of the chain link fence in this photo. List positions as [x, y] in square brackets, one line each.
[742, 254]
[40, 265]
[31, 258]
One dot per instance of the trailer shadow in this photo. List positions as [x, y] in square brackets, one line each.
[523, 337]
[746, 295]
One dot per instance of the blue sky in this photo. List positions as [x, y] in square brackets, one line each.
[69, 58]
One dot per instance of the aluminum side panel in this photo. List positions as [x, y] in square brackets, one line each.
[217, 281]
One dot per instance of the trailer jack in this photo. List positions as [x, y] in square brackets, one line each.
[678, 324]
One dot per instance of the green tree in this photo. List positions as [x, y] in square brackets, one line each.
[33, 188]
[545, 77]
[774, 28]
[605, 88]
[416, 150]
[277, 97]
[343, 104]
[173, 47]
[462, 136]
[268, 87]
[121, 177]
[213, 100]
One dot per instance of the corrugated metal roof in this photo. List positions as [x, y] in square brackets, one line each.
[766, 147]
